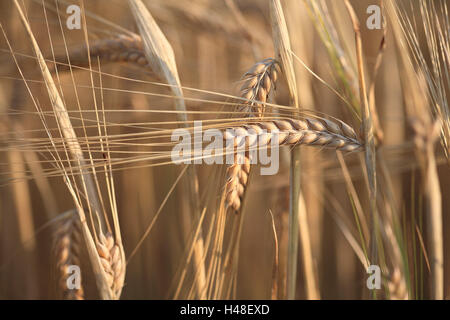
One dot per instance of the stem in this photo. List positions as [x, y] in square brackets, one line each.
[368, 135]
[433, 205]
[435, 238]
[312, 290]
[294, 206]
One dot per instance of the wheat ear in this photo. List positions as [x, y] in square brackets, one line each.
[67, 246]
[236, 184]
[317, 132]
[111, 258]
[124, 48]
[257, 85]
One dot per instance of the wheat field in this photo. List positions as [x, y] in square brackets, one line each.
[347, 99]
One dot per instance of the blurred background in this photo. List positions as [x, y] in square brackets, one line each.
[215, 42]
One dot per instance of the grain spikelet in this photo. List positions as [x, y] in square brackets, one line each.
[310, 131]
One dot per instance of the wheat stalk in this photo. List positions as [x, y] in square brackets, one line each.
[368, 135]
[67, 247]
[257, 85]
[283, 52]
[426, 135]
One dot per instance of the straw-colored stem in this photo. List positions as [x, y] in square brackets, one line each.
[257, 85]
[293, 229]
[283, 51]
[368, 134]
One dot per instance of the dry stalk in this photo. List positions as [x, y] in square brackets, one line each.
[257, 85]
[24, 215]
[281, 225]
[67, 240]
[282, 46]
[368, 135]
[425, 138]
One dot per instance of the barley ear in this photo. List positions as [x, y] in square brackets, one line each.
[67, 243]
[257, 84]
[112, 261]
